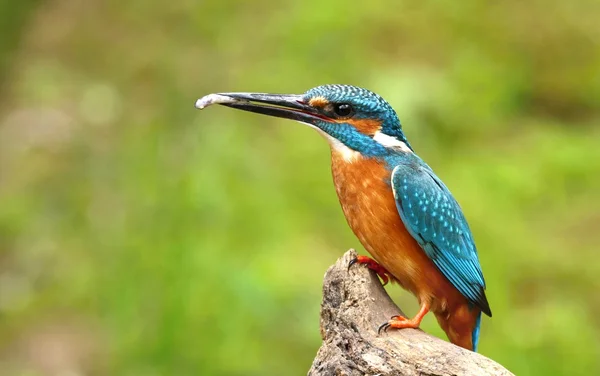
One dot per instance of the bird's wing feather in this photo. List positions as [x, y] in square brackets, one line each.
[434, 218]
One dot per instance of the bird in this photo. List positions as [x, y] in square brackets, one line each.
[398, 208]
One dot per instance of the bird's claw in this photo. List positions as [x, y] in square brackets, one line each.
[400, 322]
[385, 326]
[352, 262]
[373, 265]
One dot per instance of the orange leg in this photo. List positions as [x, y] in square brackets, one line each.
[374, 266]
[400, 322]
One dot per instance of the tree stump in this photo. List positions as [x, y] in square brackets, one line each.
[354, 305]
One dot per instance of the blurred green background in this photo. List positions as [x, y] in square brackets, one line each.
[139, 236]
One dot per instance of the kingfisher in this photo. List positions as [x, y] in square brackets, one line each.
[398, 208]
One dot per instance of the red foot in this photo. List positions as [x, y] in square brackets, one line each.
[373, 265]
[401, 322]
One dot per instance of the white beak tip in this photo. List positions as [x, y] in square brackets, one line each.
[211, 99]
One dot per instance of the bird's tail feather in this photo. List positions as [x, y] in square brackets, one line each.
[462, 326]
[475, 335]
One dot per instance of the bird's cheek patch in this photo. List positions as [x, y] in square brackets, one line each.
[364, 126]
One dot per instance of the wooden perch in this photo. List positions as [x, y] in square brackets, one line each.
[354, 305]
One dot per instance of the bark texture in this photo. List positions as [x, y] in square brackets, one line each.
[354, 305]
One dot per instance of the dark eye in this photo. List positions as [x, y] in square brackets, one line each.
[343, 109]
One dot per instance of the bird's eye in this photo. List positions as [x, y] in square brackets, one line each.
[343, 109]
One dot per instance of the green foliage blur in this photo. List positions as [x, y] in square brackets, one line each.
[139, 236]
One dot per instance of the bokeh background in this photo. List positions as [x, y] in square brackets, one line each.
[141, 237]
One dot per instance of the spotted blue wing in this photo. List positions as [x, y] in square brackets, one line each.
[434, 218]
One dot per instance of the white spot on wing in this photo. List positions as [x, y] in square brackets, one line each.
[391, 142]
[392, 181]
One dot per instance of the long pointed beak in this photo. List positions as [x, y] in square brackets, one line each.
[287, 106]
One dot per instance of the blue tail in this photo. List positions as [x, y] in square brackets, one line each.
[475, 337]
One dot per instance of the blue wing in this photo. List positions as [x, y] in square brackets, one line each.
[434, 218]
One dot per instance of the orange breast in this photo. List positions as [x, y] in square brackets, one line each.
[370, 209]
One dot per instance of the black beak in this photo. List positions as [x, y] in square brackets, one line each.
[287, 106]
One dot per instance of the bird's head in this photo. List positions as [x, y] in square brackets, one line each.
[348, 116]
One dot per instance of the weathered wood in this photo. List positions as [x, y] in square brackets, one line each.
[354, 305]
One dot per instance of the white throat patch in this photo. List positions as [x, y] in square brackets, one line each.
[337, 146]
[346, 153]
[391, 142]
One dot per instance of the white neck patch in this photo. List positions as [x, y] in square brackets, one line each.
[391, 142]
[347, 154]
